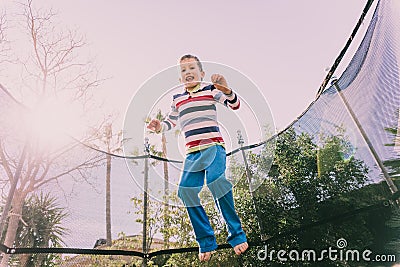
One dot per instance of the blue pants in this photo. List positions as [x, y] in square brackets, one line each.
[210, 164]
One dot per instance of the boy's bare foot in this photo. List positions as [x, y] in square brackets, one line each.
[239, 249]
[205, 256]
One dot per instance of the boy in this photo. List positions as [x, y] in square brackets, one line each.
[206, 158]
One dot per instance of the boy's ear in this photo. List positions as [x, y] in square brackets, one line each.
[202, 75]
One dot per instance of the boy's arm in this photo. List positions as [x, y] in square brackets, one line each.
[225, 95]
[154, 125]
[165, 125]
[220, 83]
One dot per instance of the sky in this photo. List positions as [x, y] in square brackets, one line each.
[283, 47]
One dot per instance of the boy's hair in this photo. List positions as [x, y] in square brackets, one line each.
[192, 56]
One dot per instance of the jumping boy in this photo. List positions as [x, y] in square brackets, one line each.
[196, 112]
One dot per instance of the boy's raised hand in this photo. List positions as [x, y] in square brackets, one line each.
[220, 83]
[154, 125]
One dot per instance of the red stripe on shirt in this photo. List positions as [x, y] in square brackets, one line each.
[235, 108]
[192, 99]
[173, 124]
[205, 141]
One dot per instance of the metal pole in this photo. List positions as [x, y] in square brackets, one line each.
[11, 193]
[344, 50]
[166, 190]
[248, 176]
[386, 175]
[246, 165]
[145, 200]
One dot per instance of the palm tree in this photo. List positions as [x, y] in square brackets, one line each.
[161, 117]
[111, 148]
[41, 227]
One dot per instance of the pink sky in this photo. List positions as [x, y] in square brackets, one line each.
[283, 46]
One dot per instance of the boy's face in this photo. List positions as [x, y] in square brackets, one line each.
[191, 75]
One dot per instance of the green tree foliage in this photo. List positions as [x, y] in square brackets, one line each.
[122, 243]
[41, 227]
[393, 168]
[393, 165]
[308, 184]
[180, 232]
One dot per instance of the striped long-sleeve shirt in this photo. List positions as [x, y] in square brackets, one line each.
[197, 115]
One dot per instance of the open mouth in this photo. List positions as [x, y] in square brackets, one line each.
[189, 79]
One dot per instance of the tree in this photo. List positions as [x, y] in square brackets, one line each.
[393, 167]
[179, 229]
[41, 227]
[3, 40]
[306, 184]
[113, 145]
[52, 71]
[108, 135]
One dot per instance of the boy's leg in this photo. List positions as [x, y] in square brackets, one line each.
[221, 189]
[236, 235]
[192, 181]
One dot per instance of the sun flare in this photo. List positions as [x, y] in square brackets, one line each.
[52, 121]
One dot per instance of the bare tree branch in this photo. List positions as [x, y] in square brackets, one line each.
[52, 68]
[31, 22]
[4, 162]
[5, 47]
[84, 165]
